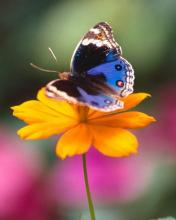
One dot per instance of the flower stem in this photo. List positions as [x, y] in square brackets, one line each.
[91, 207]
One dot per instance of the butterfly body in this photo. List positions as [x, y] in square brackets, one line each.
[99, 75]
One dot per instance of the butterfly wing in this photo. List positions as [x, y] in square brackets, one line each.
[99, 56]
[118, 75]
[96, 47]
[70, 90]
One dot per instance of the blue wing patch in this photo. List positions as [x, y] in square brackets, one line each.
[118, 74]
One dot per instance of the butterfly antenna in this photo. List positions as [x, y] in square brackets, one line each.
[52, 53]
[42, 69]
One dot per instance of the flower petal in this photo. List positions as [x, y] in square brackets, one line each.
[129, 102]
[60, 106]
[124, 120]
[43, 130]
[35, 112]
[96, 114]
[114, 142]
[75, 141]
[133, 100]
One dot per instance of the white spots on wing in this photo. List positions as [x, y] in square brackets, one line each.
[85, 42]
[107, 39]
[128, 80]
[109, 35]
[52, 92]
[95, 30]
[128, 89]
[117, 105]
[88, 41]
[107, 43]
[91, 41]
[50, 87]
[98, 43]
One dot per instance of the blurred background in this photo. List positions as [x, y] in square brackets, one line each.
[34, 184]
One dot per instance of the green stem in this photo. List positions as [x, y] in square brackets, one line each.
[91, 207]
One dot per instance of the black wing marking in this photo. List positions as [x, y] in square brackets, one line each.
[96, 47]
[69, 91]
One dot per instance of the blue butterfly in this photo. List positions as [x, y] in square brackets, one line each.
[98, 76]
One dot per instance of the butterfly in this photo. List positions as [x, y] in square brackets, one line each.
[99, 76]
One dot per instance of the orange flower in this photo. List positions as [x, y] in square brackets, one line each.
[81, 126]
